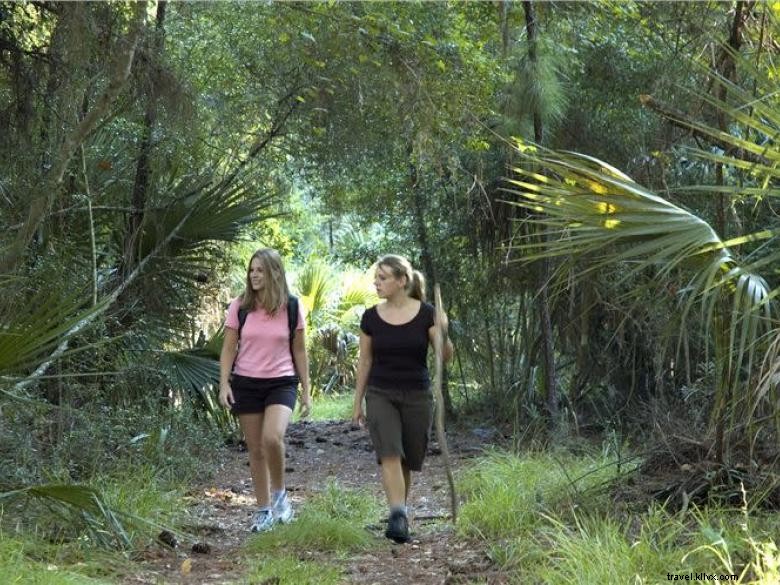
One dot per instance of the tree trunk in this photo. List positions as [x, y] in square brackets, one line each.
[548, 349]
[503, 8]
[142, 172]
[427, 260]
[727, 67]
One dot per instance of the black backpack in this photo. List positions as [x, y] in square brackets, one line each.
[292, 320]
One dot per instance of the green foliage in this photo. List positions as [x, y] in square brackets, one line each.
[334, 298]
[82, 504]
[39, 445]
[593, 210]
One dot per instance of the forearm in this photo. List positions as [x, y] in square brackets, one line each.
[448, 350]
[364, 367]
[302, 369]
[226, 359]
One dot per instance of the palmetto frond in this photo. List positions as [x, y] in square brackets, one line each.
[84, 502]
[315, 285]
[587, 208]
[196, 373]
[356, 294]
[35, 328]
[211, 213]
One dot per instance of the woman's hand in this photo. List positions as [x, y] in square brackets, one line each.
[226, 394]
[304, 408]
[444, 325]
[358, 416]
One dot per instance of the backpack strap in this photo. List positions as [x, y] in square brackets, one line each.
[292, 322]
[242, 314]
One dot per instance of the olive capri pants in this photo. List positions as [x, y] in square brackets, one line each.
[399, 422]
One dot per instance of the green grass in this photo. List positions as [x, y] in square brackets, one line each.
[506, 494]
[292, 571]
[330, 407]
[143, 494]
[34, 562]
[66, 537]
[332, 521]
[544, 519]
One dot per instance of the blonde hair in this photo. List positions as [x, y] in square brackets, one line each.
[275, 292]
[400, 266]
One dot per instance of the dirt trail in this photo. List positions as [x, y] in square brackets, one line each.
[319, 452]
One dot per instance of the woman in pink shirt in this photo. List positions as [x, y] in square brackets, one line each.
[259, 378]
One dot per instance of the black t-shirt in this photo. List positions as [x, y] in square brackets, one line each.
[399, 352]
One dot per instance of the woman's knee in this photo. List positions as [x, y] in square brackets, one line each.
[272, 441]
[256, 452]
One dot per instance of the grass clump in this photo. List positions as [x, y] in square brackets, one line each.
[332, 521]
[597, 549]
[147, 501]
[289, 570]
[506, 494]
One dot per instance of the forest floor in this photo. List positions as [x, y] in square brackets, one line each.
[319, 453]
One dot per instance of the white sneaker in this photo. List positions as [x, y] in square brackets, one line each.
[262, 521]
[282, 509]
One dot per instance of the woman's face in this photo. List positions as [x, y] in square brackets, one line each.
[386, 284]
[256, 274]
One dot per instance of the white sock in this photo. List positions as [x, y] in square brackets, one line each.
[401, 509]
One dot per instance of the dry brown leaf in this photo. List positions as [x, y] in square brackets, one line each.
[186, 566]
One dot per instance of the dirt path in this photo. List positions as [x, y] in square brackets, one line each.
[317, 453]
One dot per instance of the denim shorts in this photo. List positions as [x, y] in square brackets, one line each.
[252, 395]
[399, 422]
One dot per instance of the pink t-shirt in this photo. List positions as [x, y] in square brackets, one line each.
[264, 347]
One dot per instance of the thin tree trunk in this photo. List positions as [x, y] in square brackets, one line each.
[504, 15]
[142, 173]
[548, 350]
[728, 69]
[426, 257]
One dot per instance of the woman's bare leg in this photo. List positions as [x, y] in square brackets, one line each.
[252, 427]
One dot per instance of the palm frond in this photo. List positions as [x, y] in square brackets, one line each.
[356, 294]
[35, 329]
[315, 285]
[588, 209]
[83, 501]
[196, 372]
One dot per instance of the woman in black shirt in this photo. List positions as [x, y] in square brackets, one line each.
[393, 377]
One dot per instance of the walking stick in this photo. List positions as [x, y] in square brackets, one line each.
[438, 348]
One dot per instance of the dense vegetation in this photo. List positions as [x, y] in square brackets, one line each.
[623, 296]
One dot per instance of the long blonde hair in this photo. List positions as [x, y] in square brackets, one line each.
[275, 291]
[400, 266]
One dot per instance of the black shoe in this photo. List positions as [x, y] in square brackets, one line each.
[398, 527]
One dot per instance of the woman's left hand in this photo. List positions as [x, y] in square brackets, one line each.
[304, 407]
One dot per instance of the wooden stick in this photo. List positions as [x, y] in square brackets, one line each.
[438, 348]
